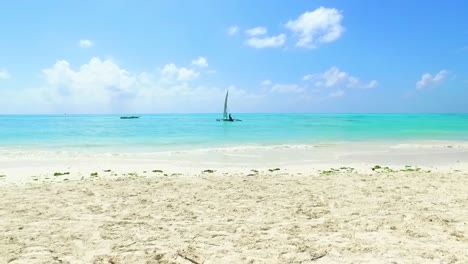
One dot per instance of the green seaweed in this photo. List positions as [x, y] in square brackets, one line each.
[107, 170]
[346, 169]
[275, 169]
[208, 171]
[387, 169]
[409, 168]
[158, 171]
[61, 173]
[327, 172]
[94, 174]
[255, 173]
[336, 171]
[382, 169]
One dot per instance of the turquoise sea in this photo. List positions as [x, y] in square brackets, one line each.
[156, 132]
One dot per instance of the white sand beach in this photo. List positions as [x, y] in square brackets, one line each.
[329, 203]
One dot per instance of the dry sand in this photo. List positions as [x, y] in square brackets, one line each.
[298, 214]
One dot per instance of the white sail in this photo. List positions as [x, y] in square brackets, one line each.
[225, 114]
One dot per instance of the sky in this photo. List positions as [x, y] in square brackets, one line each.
[181, 56]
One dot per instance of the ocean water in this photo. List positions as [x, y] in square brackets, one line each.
[160, 132]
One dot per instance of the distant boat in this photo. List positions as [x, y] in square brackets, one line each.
[226, 116]
[129, 117]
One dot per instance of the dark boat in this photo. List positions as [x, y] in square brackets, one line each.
[129, 117]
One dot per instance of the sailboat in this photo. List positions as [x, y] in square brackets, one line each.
[226, 116]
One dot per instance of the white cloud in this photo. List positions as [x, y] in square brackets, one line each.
[102, 86]
[339, 93]
[98, 86]
[187, 74]
[4, 74]
[266, 42]
[322, 25]
[232, 30]
[286, 88]
[371, 84]
[85, 43]
[428, 80]
[98, 72]
[95, 82]
[256, 31]
[171, 72]
[257, 38]
[200, 62]
[334, 77]
[269, 86]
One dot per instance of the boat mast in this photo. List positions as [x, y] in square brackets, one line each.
[225, 114]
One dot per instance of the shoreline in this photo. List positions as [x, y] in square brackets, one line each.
[27, 165]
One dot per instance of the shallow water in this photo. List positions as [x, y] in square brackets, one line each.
[155, 132]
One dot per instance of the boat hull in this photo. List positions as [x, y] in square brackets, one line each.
[228, 120]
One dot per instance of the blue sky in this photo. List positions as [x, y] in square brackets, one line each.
[273, 56]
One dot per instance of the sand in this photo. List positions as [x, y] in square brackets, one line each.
[301, 213]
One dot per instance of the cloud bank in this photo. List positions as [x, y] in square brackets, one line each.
[312, 28]
[334, 77]
[323, 25]
[266, 42]
[427, 80]
[103, 86]
[257, 38]
[200, 62]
